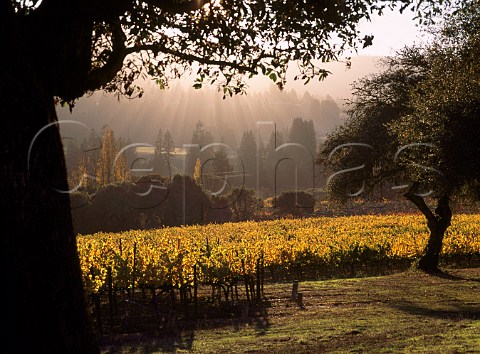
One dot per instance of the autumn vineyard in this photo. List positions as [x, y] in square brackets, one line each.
[167, 268]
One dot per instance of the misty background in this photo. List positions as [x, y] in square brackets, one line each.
[179, 107]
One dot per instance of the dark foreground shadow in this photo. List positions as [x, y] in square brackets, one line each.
[458, 313]
[182, 337]
[259, 321]
[146, 343]
[448, 276]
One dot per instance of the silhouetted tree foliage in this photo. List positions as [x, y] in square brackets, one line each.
[122, 206]
[295, 202]
[244, 204]
[218, 210]
[152, 201]
[414, 126]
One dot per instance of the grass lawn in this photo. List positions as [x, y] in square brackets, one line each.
[408, 312]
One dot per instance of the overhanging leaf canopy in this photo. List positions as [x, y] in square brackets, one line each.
[109, 44]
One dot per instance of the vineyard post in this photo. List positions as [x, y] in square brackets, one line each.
[144, 293]
[183, 294]
[232, 294]
[295, 290]
[245, 278]
[133, 277]
[172, 296]
[245, 309]
[258, 280]
[124, 302]
[123, 288]
[263, 273]
[252, 287]
[110, 296]
[172, 315]
[155, 304]
[96, 301]
[195, 291]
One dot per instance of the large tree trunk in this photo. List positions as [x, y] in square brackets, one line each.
[44, 309]
[437, 222]
[437, 226]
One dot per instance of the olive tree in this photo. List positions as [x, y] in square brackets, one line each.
[415, 126]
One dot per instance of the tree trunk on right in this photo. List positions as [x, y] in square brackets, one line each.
[437, 222]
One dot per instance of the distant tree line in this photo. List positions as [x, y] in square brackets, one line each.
[283, 162]
[114, 189]
[272, 164]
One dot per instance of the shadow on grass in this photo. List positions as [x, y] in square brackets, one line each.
[143, 343]
[258, 319]
[183, 336]
[445, 275]
[460, 312]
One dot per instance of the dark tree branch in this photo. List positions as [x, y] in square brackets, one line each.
[443, 211]
[420, 203]
[158, 47]
[109, 10]
[437, 226]
[178, 7]
[442, 214]
[101, 76]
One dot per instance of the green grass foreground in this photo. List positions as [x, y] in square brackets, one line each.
[408, 312]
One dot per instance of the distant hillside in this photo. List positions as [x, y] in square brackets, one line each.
[336, 85]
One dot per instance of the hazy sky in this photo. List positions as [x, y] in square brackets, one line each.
[392, 31]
